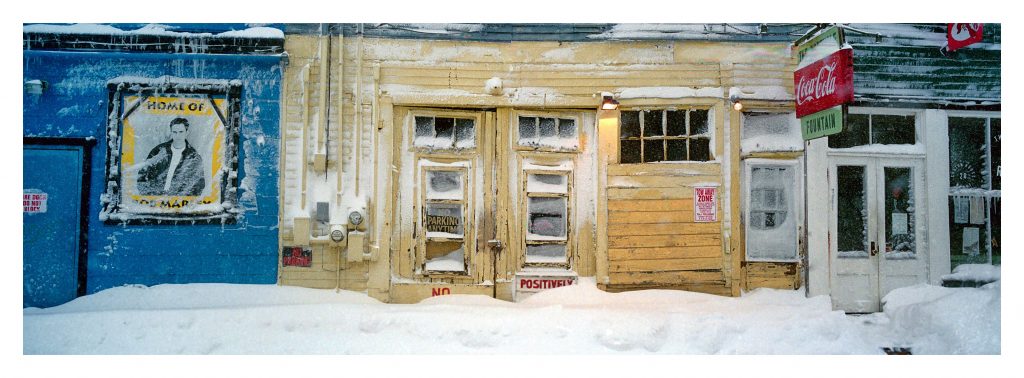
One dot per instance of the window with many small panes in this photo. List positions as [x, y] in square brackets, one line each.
[548, 133]
[444, 133]
[664, 135]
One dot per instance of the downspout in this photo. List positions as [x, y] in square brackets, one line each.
[339, 166]
[325, 88]
[358, 97]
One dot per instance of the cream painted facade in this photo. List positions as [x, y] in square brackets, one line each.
[353, 107]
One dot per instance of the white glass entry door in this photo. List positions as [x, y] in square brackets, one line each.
[876, 229]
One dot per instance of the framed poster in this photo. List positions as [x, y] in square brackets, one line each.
[172, 151]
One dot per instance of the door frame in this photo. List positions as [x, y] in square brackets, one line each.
[878, 265]
[86, 145]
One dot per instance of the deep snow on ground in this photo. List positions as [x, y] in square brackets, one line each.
[579, 319]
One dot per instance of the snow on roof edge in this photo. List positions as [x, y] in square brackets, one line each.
[150, 29]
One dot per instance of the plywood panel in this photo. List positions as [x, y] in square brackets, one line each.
[654, 253]
[661, 181]
[665, 265]
[717, 288]
[649, 193]
[665, 229]
[665, 169]
[660, 279]
[633, 217]
[666, 241]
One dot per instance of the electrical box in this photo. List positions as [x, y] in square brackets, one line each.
[300, 232]
[355, 245]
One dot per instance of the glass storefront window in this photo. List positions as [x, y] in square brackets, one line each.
[974, 194]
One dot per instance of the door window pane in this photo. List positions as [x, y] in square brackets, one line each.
[852, 225]
[444, 185]
[546, 218]
[899, 213]
[546, 253]
[547, 128]
[465, 133]
[527, 131]
[445, 256]
[566, 128]
[547, 183]
[443, 220]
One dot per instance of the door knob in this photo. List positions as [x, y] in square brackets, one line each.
[495, 244]
[874, 249]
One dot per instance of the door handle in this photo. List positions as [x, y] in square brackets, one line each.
[874, 249]
[495, 245]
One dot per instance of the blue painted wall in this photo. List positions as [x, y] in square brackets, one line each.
[75, 105]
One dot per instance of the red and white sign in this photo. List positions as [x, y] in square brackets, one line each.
[962, 35]
[35, 202]
[705, 207]
[825, 83]
[535, 284]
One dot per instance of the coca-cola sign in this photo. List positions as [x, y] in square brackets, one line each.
[825, 83]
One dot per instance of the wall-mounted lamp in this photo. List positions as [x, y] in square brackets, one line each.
[609, 103]
[35, 87]
[736, 104]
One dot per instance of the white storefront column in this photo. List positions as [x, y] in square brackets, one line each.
[936, 140]
[817, 222]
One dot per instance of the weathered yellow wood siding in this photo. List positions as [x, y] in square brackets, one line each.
[771, 275]
[369, 76]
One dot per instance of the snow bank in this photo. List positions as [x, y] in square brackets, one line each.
[940, 320]
[576, 319]
[974, 272]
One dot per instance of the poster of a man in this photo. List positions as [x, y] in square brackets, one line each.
[173, 168]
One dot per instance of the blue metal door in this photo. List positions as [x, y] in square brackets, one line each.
[52, 229]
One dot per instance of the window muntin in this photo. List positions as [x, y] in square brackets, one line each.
[548, 133]
[444, 133]
[664, 135]
[864, 129]
[974, 194]
[547, 213]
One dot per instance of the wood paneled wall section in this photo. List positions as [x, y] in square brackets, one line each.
[653, 241]
[651, 238]
[771, 275]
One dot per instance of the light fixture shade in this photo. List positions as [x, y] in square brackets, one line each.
[609, 103]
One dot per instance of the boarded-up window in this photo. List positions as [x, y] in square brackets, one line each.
[664, 135]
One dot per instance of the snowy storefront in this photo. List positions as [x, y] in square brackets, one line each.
[150, 156]
[423, 160]
[910, 187]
